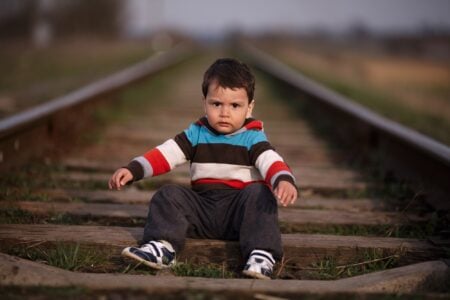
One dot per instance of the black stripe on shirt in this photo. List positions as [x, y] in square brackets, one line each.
[221, 153]
[284, 177]
[185, 145]
[136, 170]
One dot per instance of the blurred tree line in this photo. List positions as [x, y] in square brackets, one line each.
[49, 19]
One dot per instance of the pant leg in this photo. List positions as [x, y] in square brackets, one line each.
[176, 212]
[259, 227]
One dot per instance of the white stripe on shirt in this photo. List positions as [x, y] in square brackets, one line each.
[225, 172]
[172, 153]
[265, 160]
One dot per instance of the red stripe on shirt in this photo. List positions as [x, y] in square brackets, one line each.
[275, 168]
[236, 184]
[255, 124]
[157, 161]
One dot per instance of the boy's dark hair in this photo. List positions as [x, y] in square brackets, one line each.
[230, 73]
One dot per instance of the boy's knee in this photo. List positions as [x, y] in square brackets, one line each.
[168, 192]
[170, 188]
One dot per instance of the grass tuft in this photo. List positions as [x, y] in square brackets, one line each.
[70, 256]
[204, 270]
[370, 261]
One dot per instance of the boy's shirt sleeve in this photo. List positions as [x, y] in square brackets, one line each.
[270, 164]
[162, 158]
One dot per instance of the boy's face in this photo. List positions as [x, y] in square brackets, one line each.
[227, 108]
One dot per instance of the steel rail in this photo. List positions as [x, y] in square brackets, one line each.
[117, 80]
[32, 132]
[409, 154]
[420, 141]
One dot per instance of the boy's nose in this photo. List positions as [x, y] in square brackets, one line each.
[224, 112]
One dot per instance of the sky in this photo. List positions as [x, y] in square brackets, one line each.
[216, 17]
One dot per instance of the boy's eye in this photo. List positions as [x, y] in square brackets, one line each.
[216, 104]
[235, 105]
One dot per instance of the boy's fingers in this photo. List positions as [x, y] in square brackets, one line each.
[282, 198]
[293, 199]
[114, 182]
[119, 183]
[124, 179]
[111, 183]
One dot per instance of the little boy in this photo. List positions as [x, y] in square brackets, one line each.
[236, 177]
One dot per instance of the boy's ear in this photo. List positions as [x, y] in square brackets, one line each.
[251, 105]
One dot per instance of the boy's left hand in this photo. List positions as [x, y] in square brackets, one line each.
[286, 193]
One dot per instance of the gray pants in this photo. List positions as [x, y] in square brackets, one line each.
[249, 216]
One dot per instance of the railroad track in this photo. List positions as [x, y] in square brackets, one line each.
[340, 237]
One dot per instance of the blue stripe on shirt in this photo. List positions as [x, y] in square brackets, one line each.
[198, 134]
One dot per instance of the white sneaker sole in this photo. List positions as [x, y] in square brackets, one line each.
[254, 274]
[128, 254]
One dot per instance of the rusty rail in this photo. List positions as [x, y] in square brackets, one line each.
[411, 154]
[32, 132]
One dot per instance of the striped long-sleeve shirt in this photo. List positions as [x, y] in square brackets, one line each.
[217, 160]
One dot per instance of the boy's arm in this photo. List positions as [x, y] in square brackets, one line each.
[273, 168]
[159, 160]
[275, 172]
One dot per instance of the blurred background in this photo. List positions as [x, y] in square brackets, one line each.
[390, 55]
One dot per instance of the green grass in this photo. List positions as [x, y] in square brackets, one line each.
[67, 256]
[370, 261]
[79, 258]
[73, 257]
[184, 269]
[70, 257]
[17, 216]
[202, 270]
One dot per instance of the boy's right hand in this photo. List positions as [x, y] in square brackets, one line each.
[120, 177]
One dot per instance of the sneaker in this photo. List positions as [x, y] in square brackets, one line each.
[259, 265]
[155, 254]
